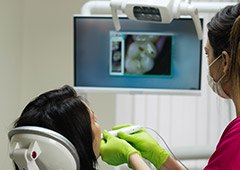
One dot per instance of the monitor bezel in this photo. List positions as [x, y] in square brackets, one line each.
[122, 90]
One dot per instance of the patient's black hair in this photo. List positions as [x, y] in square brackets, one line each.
[63, 111]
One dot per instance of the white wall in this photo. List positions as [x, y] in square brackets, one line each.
[48, 45]
[10, 57]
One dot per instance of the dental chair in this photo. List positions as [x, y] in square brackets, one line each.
[37, 148]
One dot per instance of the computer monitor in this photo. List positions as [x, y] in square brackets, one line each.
[142, 57]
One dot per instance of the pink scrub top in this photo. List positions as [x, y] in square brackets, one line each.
[227, 153]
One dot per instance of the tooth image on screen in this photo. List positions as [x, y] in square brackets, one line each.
[140, 57]
[116, 61]
[115, 45]
[141, 54]
[152, 38]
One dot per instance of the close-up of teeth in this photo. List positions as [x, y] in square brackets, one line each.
[140, 55]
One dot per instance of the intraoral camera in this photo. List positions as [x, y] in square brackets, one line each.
[129, 130]
[162, 11]
[36, 148]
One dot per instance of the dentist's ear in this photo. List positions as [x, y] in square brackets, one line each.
[225, 62]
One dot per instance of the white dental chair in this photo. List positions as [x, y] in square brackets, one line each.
[36, 148]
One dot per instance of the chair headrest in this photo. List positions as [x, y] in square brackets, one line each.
[34, 148]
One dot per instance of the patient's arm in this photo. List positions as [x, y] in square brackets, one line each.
[137, 163]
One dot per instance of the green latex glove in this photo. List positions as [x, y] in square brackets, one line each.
[148, 147]
[115, 151]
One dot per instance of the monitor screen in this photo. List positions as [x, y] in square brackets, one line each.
[141, 57]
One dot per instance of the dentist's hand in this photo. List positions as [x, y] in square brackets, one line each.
[148, 147]
[115, 151]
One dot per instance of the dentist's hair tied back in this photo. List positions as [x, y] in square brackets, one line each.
[235, 55]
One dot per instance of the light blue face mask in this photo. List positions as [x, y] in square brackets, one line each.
[216, 86]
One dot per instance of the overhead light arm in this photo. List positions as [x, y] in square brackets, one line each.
[103, 7]
[163, 11]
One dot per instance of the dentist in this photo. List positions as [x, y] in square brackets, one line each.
[223, 54]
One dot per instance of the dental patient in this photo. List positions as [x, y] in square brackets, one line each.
[68, 114]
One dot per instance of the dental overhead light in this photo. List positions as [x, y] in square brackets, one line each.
[36, 148]
[162, 11]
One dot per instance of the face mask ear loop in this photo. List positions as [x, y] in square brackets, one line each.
[214, 60]
[221, 78]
